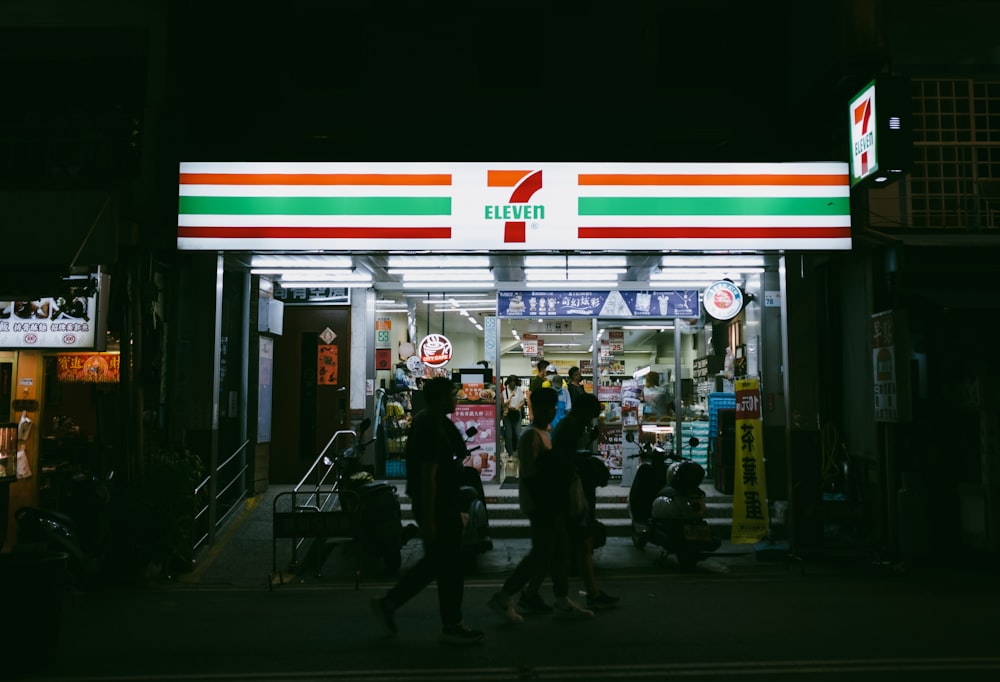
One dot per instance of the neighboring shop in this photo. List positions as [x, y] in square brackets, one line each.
[57, 384]
[430, 268]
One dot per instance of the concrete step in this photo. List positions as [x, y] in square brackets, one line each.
[507, 521]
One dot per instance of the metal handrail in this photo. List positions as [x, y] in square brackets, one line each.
[200, 512]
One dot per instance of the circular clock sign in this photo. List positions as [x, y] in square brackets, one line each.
[435, 350]
[723, 300]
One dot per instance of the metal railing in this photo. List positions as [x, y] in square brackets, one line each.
[318, 498]
[207, 518]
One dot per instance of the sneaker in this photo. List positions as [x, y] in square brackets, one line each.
[602, 600]
[384, 610]
[569, 609]
[461, 634]
[533, 603]
[500, 603]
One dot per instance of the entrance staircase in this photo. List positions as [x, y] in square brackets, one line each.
[507, 521]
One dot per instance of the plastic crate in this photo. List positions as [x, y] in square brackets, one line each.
[395, 469]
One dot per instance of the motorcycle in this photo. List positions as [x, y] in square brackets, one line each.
[667, 506]
[377, 502]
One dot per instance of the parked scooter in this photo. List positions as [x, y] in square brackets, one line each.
[472, 498]
[667, 505]
[377, 502]
[82, 536]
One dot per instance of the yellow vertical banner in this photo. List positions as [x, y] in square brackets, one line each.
[750, 514]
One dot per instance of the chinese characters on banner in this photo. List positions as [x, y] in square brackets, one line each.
[327, 364]
[750, 511]
[98, 368]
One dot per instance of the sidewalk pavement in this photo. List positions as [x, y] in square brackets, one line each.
[246, 555]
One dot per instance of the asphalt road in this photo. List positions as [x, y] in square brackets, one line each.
[710, 625]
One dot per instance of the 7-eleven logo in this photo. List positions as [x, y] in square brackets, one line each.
[517, 211]
[864, 155]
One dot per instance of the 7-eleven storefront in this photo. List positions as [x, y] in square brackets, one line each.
[331, 288]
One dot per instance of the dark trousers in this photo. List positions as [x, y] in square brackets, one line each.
[442, 561]
[511, 432]
[549, 554]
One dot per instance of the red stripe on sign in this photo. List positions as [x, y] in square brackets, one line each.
[666, 179]
[394, 179]
[277, 232]
[713, 232]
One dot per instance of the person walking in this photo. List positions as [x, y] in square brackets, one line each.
[513, 404]
[434, 452]
[543, 491]
[571, 442]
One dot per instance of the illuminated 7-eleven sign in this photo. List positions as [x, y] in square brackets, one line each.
[864, 155]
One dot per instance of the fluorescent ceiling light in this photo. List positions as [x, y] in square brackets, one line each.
[439, 273]
[347, 284]
[444, 298]
[575, 261]
[673, 283]
[321, 275]
[429, 284]
[558, 285]
[704, 273]
[286, 261]
[648, 326]
[610, 274]
[438, 261]
[731, 262]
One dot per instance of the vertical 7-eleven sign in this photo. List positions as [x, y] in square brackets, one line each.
[750, 511]
[864, 149]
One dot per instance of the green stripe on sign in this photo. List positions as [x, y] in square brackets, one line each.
[599, 206]
[315, 205]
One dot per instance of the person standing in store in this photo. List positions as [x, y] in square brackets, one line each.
[536, 383]
[513, 404]
[433, 450]
[576, 388]
[543, 491]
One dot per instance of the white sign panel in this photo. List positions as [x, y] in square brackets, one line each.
[864, 159]
[513, 206]
[54, 322]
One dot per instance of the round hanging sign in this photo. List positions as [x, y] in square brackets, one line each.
[723, 300]
[435, 350]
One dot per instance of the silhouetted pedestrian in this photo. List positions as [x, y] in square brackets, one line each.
[434, 452]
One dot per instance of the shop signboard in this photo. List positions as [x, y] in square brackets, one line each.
[599, 303]
[472, 206]
[51, 322]
[892, 388]
[750, 507]
[435, 350]
[94, 368]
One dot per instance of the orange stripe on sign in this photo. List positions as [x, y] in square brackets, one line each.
[504, 178]
[393, 179]
[278, 232]
[656, 179]
[713, 232]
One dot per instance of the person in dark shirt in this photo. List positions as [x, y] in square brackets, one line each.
[571, 444]
[434, 452]
[576, 388]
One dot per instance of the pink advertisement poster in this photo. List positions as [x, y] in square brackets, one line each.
[483, 444]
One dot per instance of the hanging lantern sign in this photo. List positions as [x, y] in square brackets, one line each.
[435, 350]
